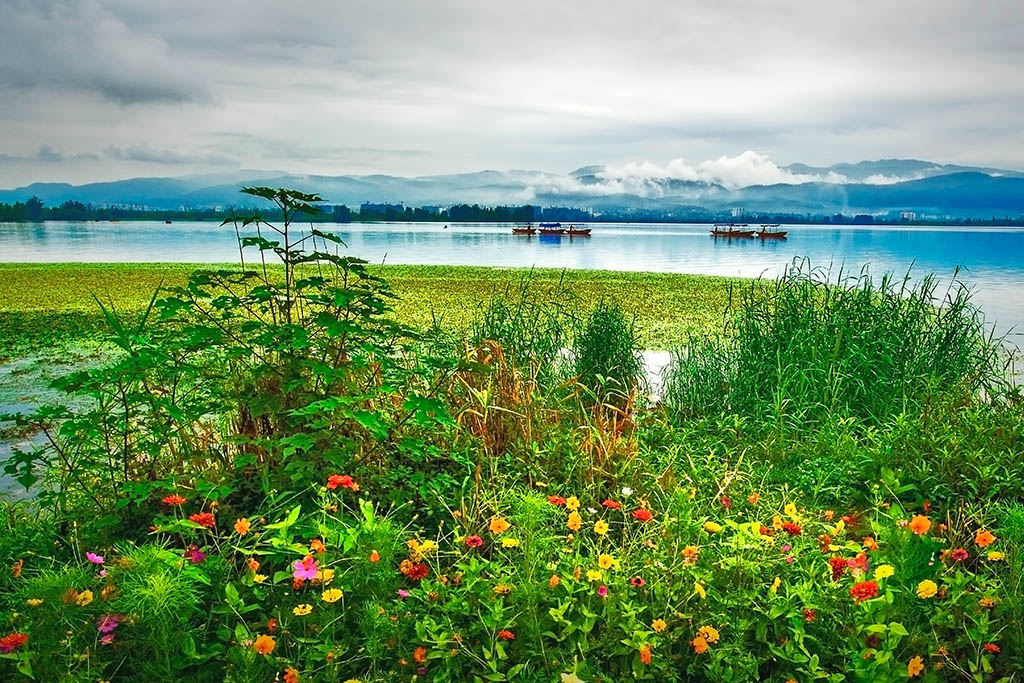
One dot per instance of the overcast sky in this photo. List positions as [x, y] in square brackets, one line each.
[105, 89]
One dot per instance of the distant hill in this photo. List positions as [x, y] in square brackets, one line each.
[887, 185]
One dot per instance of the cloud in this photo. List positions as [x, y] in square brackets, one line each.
[147, 154]
[80, 45]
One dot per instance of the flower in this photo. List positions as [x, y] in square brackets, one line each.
[774, 588]
[708, 633]
[302, 610]
[416, 571]
[204, 519]
[870, 543]
[996, 556]
[264, 644]
[920, 525]
[642, 515]
[698, 588]
[573, 503]
[17, 567]
[510, 543]
[865, 590]
[810, 615]
[645, 653]
[700, 645]
[691, 553]
[498, 525]
[927, 589]
[331, 595]
[474, 541]
[993, 648]
[571, 678]
[174, 499]
[611, 504]
[317, 546]
[712, 527]
[83, 598]
[884, 571]
[253, 564]
[556, 500]
[637, 582]
[575, 521]
[987, 602]
[602, 591]
[600, 527]
[594, 575]
[605, 561]
[753, 498]
[11, 642]
[984, 538]
[792, 529]
[94, 558]
[305, 569]
[108, 622]
[626, 491]
[790, 510]
[503, 589]
[554, 581]
[343, 480]
[291, 675]
[959, 555]
[659, 625]
[194, 555]
[915, 666]
[259, 578]
[402, 593]
[374, 556]
[242, 526]
[34, 602]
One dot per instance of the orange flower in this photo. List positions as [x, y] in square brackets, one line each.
[920, 525]
[870, 543]
[204, 519]
[264, 644]
[317, 546]
[865, 590]
[690, 554]
[420, 654]
[498, 525]
[915, 666]
[291, 675]
[174, 499]
[554, 580]
[700, 645]
[374, 557]
[645, 653]
[253, 564]
[242, 526]
[984, 538]
[575, 521]
[16, 569]
[753, 498]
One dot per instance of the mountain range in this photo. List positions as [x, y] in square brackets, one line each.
[876, 187]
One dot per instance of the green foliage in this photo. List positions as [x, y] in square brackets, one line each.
[606, 352]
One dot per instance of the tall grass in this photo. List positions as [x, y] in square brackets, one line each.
[606, 352]
[812, 345]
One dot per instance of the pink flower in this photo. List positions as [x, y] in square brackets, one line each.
[107, 639]
[94, 558]
[305, 568]
[786, 548]
[474, 542]
[402, 593]
[194, 554]
[637, 582]
[789, 560]
[108, 622]
[959, 554]
[726, 503]
[602, 590]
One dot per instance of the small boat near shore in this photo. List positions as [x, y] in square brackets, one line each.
[730, 230]
[525, 229]
[771, 232]
[576, 231]
[551, 229]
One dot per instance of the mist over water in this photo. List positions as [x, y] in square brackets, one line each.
[991, 259]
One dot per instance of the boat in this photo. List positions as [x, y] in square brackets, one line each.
[729, 230]
[767, 232]
[524, 229]
[550, 225]
[168, 222]
[576, 231]
[551, 229]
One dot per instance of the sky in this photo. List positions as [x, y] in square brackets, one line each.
[96, 90]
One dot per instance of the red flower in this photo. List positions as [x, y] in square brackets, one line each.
[838, 566]
[726, 503]
[205, 519]
[175, 499]
[959, 555]
[271, 624]
[791, 528]
[643, 514]
[505, 634]
[865, 590]
[765, 531]
[993, 648]
[637, 582]
[612, 504]
[12, 642]
[342, 480]
[860, 562]
[556, 500]
[474, 541]
[417, 571]
[825, 540]
[810, 615]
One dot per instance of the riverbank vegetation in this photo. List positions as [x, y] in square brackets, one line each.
[278, 479]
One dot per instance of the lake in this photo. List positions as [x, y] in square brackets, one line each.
[993, 258]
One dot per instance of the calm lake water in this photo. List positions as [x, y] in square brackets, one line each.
[992, 258]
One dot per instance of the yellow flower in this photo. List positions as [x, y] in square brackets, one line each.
[927, 589]
[840, 526]
[575, 521]
[84, 598]
[988, 602]
[571, 678]
[708, 633]
[34, 602]
[324, 576]
[606, 561]
[331, 595]
[776, 522]
[600, 527]
[712, 527]
[302, 610]
[699, 590]
[510, 543]
[499, 525]
[572, 503]
[790, 510]
[502, 589]
[775, 586]
[915, 666]
[884, 571]
[259, 578]
[996, 556]
[594, 575]
[659, 625]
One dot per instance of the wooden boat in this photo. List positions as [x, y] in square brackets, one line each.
[575, 231]
[767, 233]
[550, 225]
[731, 231]
[551, 231]
[524, 230]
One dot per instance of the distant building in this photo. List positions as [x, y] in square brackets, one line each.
[908, 215]
[736, 213]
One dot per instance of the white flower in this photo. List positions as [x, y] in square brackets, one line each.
[592, 511]
[571, 678]
[626, 491]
